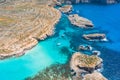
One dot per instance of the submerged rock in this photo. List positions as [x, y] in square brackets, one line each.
[54, 72]
[80, 21]
[66, 8]
[65, 50]
[95, 37]
[94, 76]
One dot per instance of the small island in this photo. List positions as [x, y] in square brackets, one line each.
[80, 21]
[84, 67]
[95, 37]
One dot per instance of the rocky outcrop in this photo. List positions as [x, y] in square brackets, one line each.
[82, 65]
[95, 52]
[66, 9]
[94, 76]
[80, 60]
[52, 3]
[85, 47]
[80, 21]
[23, 23]
[90, 1]
[95, 37]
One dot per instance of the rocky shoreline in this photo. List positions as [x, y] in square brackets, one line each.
[24, 24]
[89, 1]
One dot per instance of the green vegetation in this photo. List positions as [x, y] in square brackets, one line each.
[88, 61]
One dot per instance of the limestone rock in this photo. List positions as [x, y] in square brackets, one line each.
[23, 23]
[94, 76]
[85, 47]
[80, 60]
[95, 37]
[81, 65]
[53, 3]
[66, 8]
[95, 52]
[80, 21]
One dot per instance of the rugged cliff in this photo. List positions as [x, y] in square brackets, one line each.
[22, 23]
[89, 1]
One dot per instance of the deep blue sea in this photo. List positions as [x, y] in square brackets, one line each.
[67, 38]
[106, 19]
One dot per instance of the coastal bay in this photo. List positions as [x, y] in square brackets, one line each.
[58, 48]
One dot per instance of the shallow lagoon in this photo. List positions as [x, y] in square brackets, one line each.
[48, 52]
[29, 64]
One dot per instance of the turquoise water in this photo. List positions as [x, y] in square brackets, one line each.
[40, 57]
[65, 41]
[50, 51]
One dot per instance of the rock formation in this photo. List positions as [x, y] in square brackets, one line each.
[85, 47]
[84, 66]
[94, 76]
[80, 21]
[95, 52]
[85, 62]
[95, 37]
[22, 23]
[66, 8]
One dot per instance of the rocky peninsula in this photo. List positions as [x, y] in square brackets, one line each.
[23, 23]
[76, 20]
